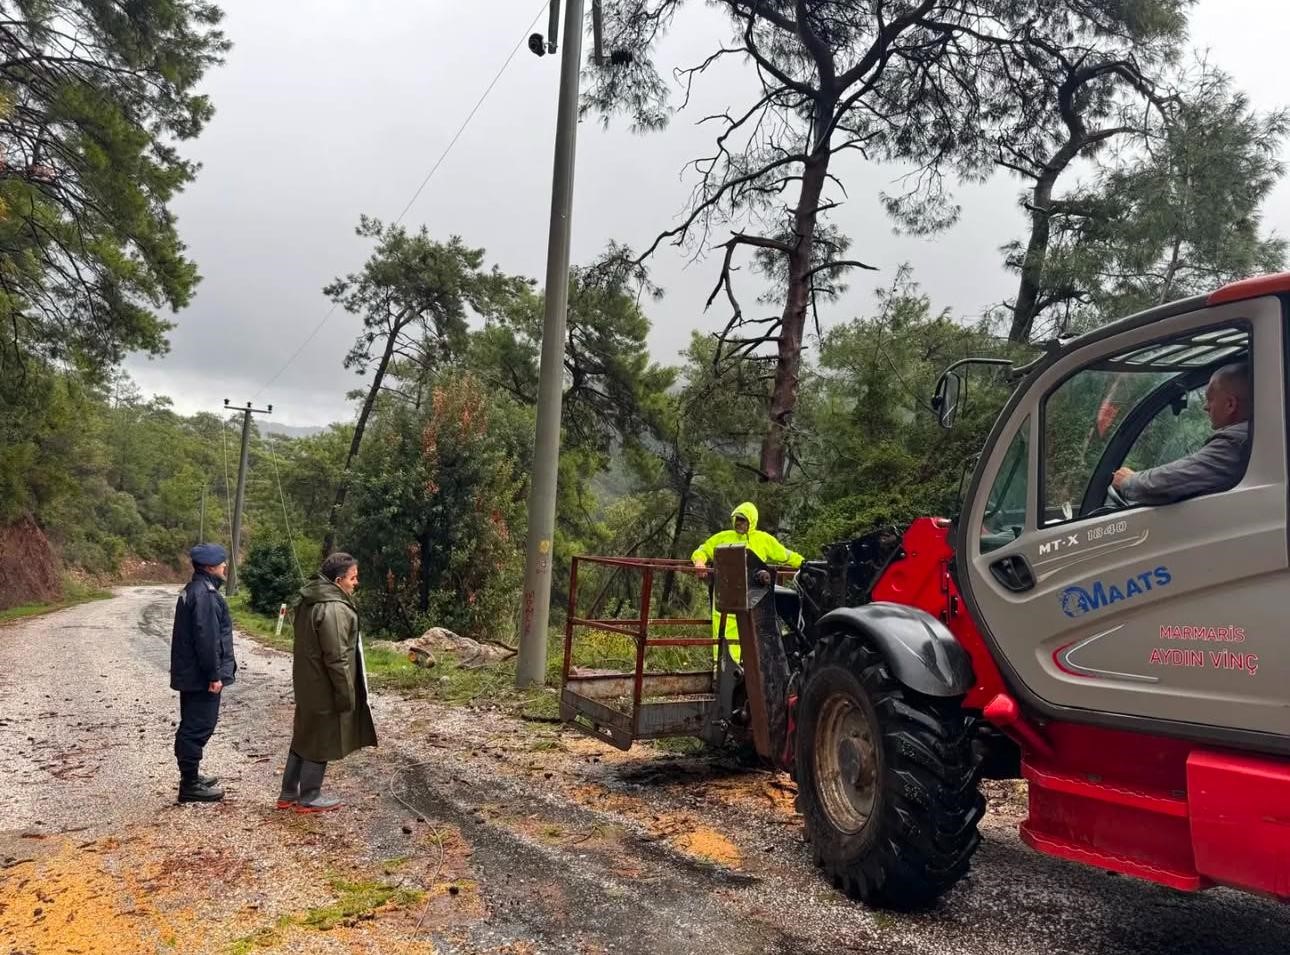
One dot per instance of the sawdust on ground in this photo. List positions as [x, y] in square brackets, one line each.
[302, 884]
[66, 902]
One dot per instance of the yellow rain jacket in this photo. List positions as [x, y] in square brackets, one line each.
[760, 543]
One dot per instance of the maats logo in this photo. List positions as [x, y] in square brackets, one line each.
[1077, 601]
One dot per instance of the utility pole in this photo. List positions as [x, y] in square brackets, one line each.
[241, 488]
[536, 610]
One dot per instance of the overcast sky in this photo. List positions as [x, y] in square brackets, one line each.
[327, 109]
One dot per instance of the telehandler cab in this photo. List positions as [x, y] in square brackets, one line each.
[1132, 663]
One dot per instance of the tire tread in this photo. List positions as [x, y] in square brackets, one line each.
[930, 805]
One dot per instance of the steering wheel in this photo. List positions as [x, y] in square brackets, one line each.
[1115, 501]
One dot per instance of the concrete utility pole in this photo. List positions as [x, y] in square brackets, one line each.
[536, 610]
[241, 489]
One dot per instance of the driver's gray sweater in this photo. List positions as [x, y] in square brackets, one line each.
[1216, 466]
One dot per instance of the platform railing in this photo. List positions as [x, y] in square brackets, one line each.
[662, 703]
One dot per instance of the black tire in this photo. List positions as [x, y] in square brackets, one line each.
[902, 829]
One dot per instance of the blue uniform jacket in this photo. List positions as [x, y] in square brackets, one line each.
[201, 643]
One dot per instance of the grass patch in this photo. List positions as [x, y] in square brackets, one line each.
[388, 670]
[74, 594]
[354, 900]
[680, 745]
[883, 920]
[449, 682]
[258, 625]
[267, 937]
[605, 650]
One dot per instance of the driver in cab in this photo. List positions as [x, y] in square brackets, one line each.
[1215, 466]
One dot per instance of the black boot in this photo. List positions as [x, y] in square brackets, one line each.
[311, 797]
[290, 794]
[207, 780]
[192, 789]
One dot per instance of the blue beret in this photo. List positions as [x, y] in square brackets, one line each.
[208, 555]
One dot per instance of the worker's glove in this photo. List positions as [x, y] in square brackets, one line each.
[763, 577]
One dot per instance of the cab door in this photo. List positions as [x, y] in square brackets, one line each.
[1176, 613]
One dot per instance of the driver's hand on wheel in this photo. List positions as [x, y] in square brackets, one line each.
[1120, 476]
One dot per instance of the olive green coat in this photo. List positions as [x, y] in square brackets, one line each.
[332, 716]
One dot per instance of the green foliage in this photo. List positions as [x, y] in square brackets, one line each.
[415, 296]
[875, 454]
[93, 102]
[270, 575]
[1186, 215]
[1177, 216]
[107, 473]
[609, 378]
[263, 627]
[355, 899]
[434, 509]
[830, 435]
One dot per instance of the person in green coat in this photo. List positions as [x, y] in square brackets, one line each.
[765, 546]
[332, 716]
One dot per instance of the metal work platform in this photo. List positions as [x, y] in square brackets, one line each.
[621, 707]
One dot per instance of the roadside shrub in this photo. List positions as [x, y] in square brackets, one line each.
[270, 577]
[435, 512]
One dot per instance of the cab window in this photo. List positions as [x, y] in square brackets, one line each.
[1143, 406]
[1177, 430]
[1005, 509]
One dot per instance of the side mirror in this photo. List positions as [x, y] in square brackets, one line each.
[949, 391]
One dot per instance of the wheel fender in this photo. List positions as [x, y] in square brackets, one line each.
[920, 650]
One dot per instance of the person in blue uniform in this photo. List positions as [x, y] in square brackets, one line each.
[201, 666]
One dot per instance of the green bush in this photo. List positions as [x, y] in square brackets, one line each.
[270, 576]
[435, 513]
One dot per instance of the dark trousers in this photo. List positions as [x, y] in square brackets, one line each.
[198, 714]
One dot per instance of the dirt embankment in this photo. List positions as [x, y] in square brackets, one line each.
[31, 571]
[135, 571]
[29, 568]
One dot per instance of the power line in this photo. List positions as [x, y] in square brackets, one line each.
[286, 521]
[471, 115]
[424, 182]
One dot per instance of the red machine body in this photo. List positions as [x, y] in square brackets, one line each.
[1168, 810]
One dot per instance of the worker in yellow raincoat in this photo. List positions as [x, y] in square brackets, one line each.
[760, 543]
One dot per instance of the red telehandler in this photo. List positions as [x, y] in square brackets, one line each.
[1131, 662]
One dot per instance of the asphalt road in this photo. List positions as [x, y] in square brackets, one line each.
[573, 848]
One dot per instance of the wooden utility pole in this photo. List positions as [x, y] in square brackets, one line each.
[241, 489]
